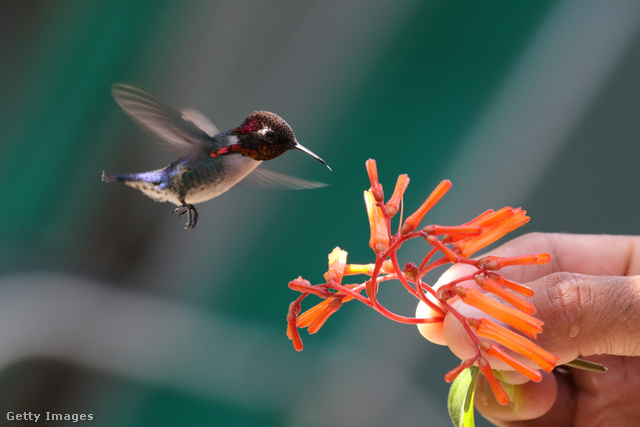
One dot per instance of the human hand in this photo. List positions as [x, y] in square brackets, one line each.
[589, 299]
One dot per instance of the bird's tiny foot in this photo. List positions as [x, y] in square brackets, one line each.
[192, 215]
[180, 211]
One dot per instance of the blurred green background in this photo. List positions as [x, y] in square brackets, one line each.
[109, 307]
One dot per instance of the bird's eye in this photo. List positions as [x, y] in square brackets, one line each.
[270, 135]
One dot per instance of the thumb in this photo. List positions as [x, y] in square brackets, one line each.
[586, 315]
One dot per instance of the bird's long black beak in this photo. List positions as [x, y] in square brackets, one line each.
[305, 150]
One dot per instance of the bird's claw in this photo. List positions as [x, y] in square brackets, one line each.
[192, 214]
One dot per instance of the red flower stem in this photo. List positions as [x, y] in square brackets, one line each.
[448, 290]
[295, 305]
[436, 243]
[419, 292]
[372, 284]
[427, 258]
[403, 319]
[350, 292]
[359, 287]
[434, 264]
[422, 287]
[453, 283]
[400, 274]
[394, 243]
[425, 288]
[463, 321]
[474, 262]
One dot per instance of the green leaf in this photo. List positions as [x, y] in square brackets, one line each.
[461, 398]
[586, 365]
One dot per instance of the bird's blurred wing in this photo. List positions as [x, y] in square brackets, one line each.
[180, 130]
[200, 120]
[265, 178]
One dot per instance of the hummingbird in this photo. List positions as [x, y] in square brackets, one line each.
[211, 161]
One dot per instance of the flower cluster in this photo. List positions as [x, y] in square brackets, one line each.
[448, 245]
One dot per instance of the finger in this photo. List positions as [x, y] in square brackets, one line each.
[583, 398]
[576, 253]
[587, 315]
[582, 315]
[550, 402]
[612, 397]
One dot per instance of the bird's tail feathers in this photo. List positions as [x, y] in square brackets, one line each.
[119, 177]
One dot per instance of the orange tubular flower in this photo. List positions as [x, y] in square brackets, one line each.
[315, 318]
[379, 240]
[393, 204]
[452, 374]
[461, 231]
[292, 327]
[491, 330]
[516, 287]
[337, 263]
[494, 226]
[453, 244]
[498, 391]
[411, 223]
[495, 351]
[512, 316]
[491, 286]
[376, 187]
[496, 263]
[353, 269]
